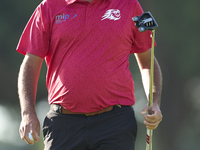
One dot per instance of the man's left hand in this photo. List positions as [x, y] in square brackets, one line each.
[153, 119]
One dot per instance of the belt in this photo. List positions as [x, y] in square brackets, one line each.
[62, 110]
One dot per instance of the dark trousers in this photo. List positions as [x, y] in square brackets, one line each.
[113, 130]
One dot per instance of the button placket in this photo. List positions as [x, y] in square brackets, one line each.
[88, 15]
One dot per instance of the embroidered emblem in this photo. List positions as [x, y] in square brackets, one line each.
[112, 14]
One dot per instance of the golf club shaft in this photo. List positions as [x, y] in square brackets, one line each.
[150, 131]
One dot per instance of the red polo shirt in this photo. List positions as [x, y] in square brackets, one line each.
[86, 47]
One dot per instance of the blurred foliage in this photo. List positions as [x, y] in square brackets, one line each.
[177, 52]
[14, 16]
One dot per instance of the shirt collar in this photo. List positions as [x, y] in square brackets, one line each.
[68, 2]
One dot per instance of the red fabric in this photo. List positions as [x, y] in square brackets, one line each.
[86, 47]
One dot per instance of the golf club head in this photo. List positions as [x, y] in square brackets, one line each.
[145, 22]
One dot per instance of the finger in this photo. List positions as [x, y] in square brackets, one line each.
[144, 110]
[151, 125]
[25, 129]
[155, 116]
[153, 119]
[35, 136]
[21, 132]
[28, 140]
[36, 132]
[149, 119]
[152, 128]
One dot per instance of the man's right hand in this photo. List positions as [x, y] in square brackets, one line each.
[29, 123]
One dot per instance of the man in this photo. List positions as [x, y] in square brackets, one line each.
[86, 45]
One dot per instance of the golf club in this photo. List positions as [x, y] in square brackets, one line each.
[143, 23]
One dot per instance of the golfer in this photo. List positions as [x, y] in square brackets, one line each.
[86, 45]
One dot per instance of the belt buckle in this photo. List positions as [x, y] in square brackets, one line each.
[118, 105]
[90, 114]
[86, 114]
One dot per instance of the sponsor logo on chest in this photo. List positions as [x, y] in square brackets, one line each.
[112, 14]
[64, 17]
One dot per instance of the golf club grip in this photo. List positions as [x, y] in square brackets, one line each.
[149, 139]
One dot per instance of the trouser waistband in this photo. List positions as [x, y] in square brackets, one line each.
[60, 109]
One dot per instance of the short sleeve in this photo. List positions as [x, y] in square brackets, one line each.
[142, 41]
[35, 39]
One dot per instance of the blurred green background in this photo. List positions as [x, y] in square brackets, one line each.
[177, 52]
